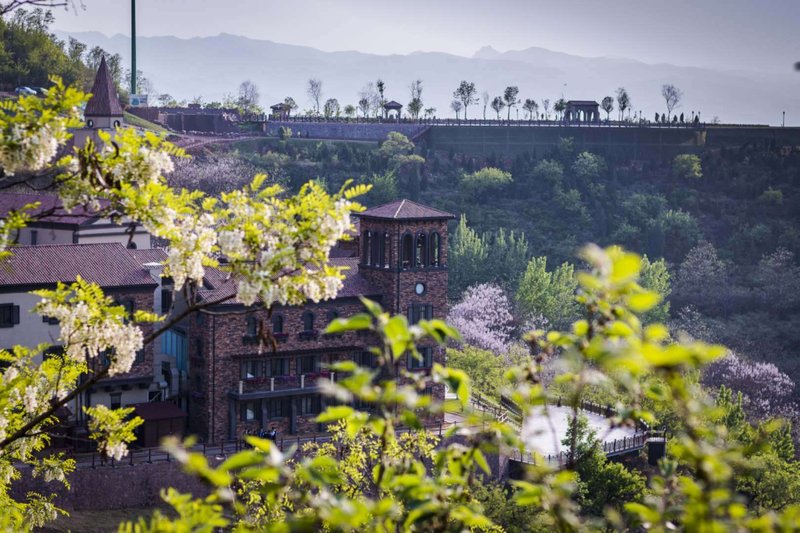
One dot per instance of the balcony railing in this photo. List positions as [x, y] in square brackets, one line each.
[279, 383]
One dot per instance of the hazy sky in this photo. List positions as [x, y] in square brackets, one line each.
[730, 34]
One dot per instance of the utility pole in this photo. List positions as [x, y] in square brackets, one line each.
[783, 120]
[133, 47]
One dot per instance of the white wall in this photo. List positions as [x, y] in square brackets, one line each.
[45, 236]
[102, 230]
[31, 330]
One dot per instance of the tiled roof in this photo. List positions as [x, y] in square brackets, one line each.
[104, 101]
[50, 208]
[107, 264]
[354, 283]
[405, 210]
[393, 105]
[582, 102]
[149, 255]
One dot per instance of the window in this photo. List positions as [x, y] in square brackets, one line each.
[166, 300]
[425, 360]
[422, 251]
[277, 323]
[251, 410]
[252, 326]
[49, 320]
[52, 351]
[366, 359]
[377, 251]
[278, 408]
[277, 367]
[367, 248]
[308, 321]
[199, 347]
[407, 251]
[115, 400]
[9, 315]
[310, 405]
[333, 314]
[417, 312]
[436, 250]
[308, 364]
[252, 369]
[34, 237]
[387, 250]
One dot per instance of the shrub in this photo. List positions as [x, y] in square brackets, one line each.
[485, 179]
[687, 166]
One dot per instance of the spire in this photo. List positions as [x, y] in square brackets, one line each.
[104, 101]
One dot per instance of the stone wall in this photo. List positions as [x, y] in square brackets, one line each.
[345, 130]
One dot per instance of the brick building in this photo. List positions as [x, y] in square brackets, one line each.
[399, 258]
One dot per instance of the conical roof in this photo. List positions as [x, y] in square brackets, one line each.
[104, 101]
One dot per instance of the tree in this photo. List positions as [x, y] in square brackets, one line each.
[430, 112]
[588, 166]
[485, 179]
[548, 294]
[290, 104]
[456, 106]
[484, 367]
[483, 317]
[655, 277]
[248, 97]
[314, 91]
[546, 107]
[384, 188]
[687, 166]
[331, 108]
[467, 256]
[486, 101]
[531, 107]
[367, 98]
[349, 111]
[510, 97]
[623, 101]
[364, 106]
[467, 95]
[672, 97]
[381, 100]
[560, 106]
[100, 338]
[498, 105]
[415, 105]
[608, 106]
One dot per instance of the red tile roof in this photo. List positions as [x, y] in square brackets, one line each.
[104, 101]
[405, 210]
[50, 209]
[107, 264]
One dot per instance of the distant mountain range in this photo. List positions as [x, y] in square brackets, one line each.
[213, 66]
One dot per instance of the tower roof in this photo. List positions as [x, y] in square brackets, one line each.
[104, 101]
[405, 210]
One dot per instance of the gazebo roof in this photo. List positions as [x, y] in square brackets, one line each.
[582, 102]
[393, 105]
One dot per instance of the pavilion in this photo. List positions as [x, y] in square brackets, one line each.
[393, 106]
[582, 111]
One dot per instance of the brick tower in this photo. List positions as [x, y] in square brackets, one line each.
[404, 252]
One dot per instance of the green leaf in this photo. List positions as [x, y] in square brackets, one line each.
[643, 301]
[333, 413]
[353, 323]
[481, 460]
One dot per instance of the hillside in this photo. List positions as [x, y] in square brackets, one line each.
[214, 66]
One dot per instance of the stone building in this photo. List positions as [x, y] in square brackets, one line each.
[399, 259]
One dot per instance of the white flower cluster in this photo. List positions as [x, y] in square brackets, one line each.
[86, 336]
[231, 243]
[116, 450]
[24, 149]
[143, 165]
[196, 238]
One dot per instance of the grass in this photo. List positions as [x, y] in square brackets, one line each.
[133, 120]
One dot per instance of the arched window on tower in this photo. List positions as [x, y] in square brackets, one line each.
[422, 250]
[367, 244]
[377, 251]
[436, 250]
[407, 251]
[387, 250]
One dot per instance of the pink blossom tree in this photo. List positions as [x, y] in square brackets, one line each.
[483, 317]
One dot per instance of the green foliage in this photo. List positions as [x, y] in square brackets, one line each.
[589, 166]
[396, 144]
[655, 277]
[549, 171]
[550, 295]
[771, 197]
[508, 257]
[384, 189]
[467, 257]
[687, 166]
[485, 179]
[484, 368]
[284, 133]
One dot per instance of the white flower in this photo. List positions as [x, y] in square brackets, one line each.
[117, 450]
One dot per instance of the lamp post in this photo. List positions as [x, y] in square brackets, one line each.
[133, 47]
[783, 120]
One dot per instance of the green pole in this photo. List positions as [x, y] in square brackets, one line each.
[133, 46]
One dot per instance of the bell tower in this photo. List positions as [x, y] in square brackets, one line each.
[404, 255]
[103, 110]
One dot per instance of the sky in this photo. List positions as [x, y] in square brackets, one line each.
[723, 34]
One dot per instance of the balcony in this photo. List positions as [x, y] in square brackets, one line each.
[310, 380]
